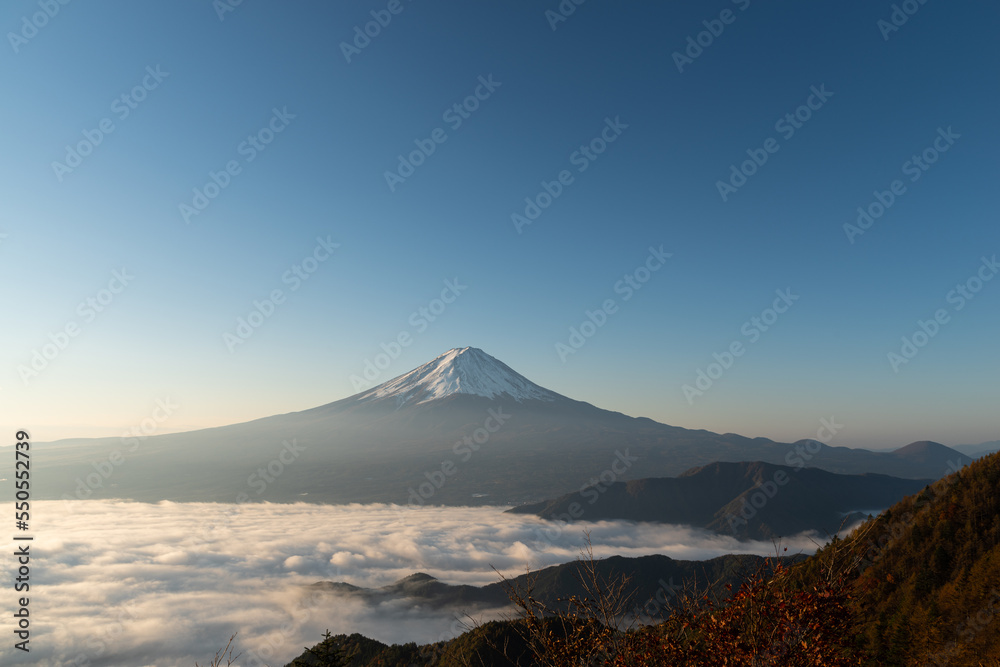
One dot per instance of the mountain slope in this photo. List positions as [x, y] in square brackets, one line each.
[653, 580]
[749, 500]
[466, 370]
[927, 579]
[923, 451]
[923, 580]
[462, 429]
[648, 575]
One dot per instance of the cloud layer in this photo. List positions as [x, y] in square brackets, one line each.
[133, 584]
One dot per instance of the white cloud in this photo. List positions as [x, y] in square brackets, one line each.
[129, 584]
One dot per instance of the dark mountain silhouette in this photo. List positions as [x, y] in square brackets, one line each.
[462, 429]
[926, 572]
[654, 577]
[655, 583]
[923, 451]
[922, 580]
[748, 500]
[980, 450]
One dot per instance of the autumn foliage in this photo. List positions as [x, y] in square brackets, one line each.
[767, 620]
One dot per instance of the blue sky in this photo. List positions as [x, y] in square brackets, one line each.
[206, 85]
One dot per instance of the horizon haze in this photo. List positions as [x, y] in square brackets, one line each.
[788, 203]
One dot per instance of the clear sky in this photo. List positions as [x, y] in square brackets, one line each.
[122, 286]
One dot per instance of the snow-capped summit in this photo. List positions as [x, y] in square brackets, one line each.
[465, 370]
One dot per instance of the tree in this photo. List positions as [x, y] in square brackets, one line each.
[327, 654]
[768, 620]
[224, 654]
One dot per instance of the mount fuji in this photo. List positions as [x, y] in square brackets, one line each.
[461, 429]
[468, 371]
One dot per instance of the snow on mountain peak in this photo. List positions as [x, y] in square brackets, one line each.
[465, 370]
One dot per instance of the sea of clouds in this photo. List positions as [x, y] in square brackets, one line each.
[134, 584]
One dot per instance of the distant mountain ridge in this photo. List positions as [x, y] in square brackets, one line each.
[650, 575]
[753, 500]
[462, 429]
[923, 450]
[656, 582]
[980, 450]
[923, 576]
